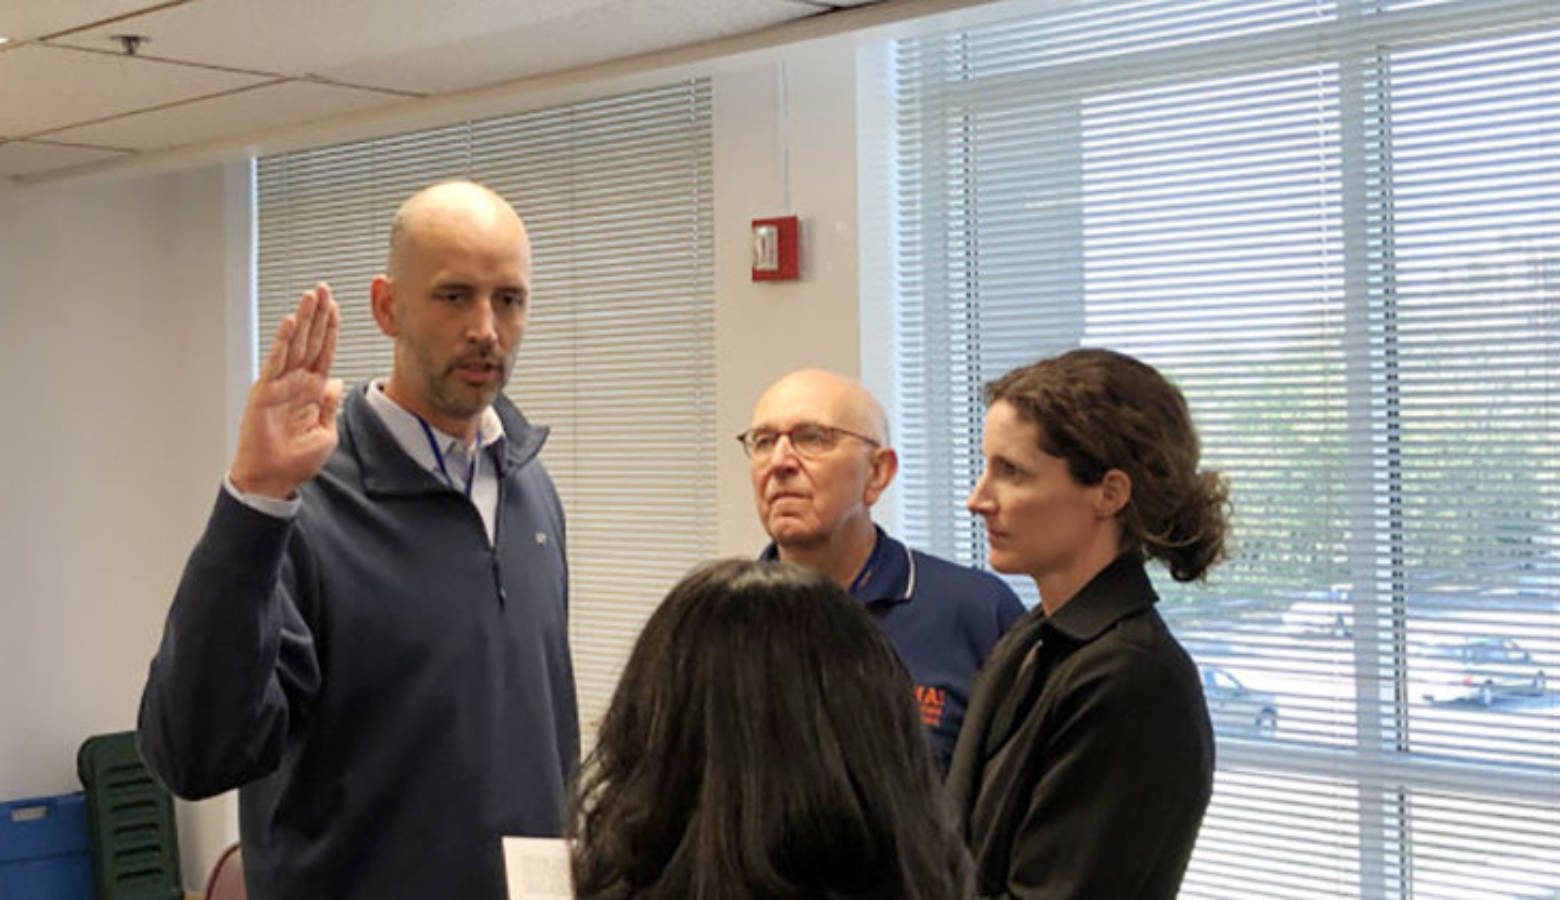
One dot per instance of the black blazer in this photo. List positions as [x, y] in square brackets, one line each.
[1086, 759]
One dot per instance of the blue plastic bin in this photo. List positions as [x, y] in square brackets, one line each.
[43, 849]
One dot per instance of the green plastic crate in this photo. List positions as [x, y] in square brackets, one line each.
[135, 843]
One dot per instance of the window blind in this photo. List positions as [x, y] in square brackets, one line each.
[618, 358]
[1337, 227]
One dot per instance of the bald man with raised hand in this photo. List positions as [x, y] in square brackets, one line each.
[370, 638]
[820, 456]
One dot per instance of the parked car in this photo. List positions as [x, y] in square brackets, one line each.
[1482, 669]
[1235, 708]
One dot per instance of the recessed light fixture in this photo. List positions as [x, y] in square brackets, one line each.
[3, 39]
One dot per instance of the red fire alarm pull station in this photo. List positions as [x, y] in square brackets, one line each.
[775, 253]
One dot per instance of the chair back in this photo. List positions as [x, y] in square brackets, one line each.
[134, 842]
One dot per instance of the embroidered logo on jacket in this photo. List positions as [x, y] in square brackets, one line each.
[931, 700]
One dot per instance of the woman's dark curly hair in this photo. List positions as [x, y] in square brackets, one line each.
[1101, 410]
[763, 744]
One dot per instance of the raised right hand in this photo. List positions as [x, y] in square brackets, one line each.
[289, 424]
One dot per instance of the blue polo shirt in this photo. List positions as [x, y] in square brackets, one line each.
[943, 618]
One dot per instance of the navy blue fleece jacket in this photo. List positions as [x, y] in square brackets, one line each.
[389, 692]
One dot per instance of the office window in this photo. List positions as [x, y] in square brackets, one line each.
[1337, 226]
[618, 358]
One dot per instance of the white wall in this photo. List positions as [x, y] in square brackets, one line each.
[112, 386]
[125, 358]
[784, 128]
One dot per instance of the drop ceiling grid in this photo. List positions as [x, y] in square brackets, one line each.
[29, 157]
[593, 34]
[413, 45]
[25, 20]
[45, 88]
[300, 38]
[214, 70]
[271, 106]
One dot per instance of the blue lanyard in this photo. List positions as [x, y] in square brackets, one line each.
[438, 457]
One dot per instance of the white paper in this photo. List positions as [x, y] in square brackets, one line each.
[538, 868]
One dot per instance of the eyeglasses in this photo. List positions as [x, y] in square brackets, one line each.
[808, 439]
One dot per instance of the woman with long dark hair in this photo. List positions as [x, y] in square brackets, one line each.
[1086, 759]
[763, 744]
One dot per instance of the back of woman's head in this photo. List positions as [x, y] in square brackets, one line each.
[762, 743]
[1101, 410]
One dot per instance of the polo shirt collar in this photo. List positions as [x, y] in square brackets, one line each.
[887, 576]
[1119, 590]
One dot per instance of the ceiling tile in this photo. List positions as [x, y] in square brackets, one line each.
[230, 115]
[24, 20]
[303, 37]
[87, 86]
[594, 33]
[29, 158]
[413, 45]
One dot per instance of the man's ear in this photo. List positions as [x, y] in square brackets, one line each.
[885, 464]
[381, 296]
[1115, 491]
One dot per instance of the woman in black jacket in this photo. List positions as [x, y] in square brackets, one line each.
[1086, 759]
[763, 744]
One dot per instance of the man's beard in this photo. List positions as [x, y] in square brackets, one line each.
[456, 405]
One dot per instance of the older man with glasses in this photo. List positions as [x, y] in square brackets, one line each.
[820, 458]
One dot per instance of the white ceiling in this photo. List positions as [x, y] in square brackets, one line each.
[212, 69]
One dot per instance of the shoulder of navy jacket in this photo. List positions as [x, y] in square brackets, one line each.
[522, 440]
[523, 447]
[382, 466]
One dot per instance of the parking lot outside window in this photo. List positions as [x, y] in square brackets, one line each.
[1333, 225]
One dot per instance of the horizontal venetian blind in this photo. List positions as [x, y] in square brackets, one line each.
[1337, 227]
[618, 358]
